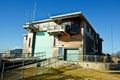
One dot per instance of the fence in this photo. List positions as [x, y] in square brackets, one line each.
[87, 58]
[93, 58]
[28, 66]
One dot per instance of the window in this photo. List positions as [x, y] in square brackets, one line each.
[66, 24]
[71, 27]
[26, 37]
[60, 50]
[29, 42]
[87, 28]
[75, 27]
[46, 25]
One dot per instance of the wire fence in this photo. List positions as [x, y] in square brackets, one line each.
[24, 67]
[27, 66]
[87, 58]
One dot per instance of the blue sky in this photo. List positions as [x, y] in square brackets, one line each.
[103, 15]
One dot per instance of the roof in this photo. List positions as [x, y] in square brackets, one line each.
[70, 15]
[63, 16]
[66, 15]
[41, 21]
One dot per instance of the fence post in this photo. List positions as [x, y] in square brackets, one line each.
[55, 61]
[95, 58]
[58, 60]
[23, 68]
[43, 68]
[13, 63]
[51, 65]
[2, 76]
[36, 66]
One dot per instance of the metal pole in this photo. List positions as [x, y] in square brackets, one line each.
[58, 60]
[23, 68]
[36, 66]
[2, 76]
[55, 61]
[43, 68]
[51, 65]
[34, 10]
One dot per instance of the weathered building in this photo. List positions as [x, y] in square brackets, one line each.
[70, 35]
[12, 53]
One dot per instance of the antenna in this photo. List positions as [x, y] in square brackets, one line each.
[112, 37]
[34, 10]
[26, 17]
[49, 15]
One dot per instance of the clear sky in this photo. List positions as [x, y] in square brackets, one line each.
[103, 15]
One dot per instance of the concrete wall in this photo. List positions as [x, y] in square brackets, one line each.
[45, 26]
[27, 47]
[98, 65]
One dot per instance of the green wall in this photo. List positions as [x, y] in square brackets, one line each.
[43, 43]
[71, 54]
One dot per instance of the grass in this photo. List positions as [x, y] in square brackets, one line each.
[69, 72]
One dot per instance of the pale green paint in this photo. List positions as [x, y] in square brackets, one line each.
[72, 54]
[43, 42]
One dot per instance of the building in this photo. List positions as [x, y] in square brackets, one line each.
[70, 35]
[116, 59]
[12, 53]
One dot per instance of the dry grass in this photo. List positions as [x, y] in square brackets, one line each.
[69, 72]
[74, 73]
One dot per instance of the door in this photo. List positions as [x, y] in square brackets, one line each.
[43, 43]
[71, 54]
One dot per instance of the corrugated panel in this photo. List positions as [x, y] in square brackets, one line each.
[43, 43]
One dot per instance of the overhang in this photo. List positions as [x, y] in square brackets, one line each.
[71, 15]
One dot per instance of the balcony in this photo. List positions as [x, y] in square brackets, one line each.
[29, 27]
[57, 31]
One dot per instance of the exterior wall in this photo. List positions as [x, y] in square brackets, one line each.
[27, 48]
[67, 38]
[70, 42]
[45, 26]
[30, 45]
[6, 54]
[42, 43]
[92, 42]
[100, 66]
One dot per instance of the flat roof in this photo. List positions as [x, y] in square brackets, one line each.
[66, 15]
[63, 16]
[41, 21]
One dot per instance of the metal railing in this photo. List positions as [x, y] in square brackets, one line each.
[28, 66]
[85, 58]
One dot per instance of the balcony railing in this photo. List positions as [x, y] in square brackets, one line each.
[57, 31]
[29, 27]
[55, 28]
